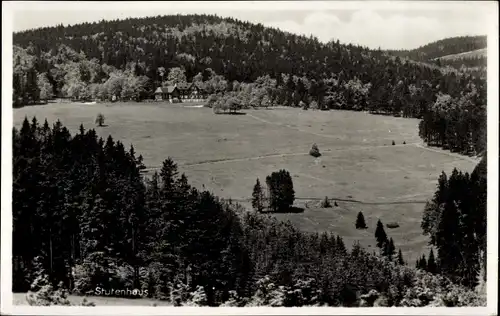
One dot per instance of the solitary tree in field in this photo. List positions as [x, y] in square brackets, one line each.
[360, 221]
[99, 119]
[258, 197]
[314, 151]
[380, 234]
[281, 193]
[326, 203]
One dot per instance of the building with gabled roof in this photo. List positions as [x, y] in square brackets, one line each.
[183, 91]
[166, 93]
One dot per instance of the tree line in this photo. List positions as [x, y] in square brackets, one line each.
[455, 221]
[84, 217]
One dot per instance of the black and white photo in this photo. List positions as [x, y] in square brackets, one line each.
[173, 155]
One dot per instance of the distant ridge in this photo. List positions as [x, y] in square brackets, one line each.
[468, 51]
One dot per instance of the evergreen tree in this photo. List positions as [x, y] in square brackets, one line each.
[32, 90]
[400, 258]
[360, 221]
[168, 175]
[281, 192]
[423, 263]
[340, 246]
[390, 249]
[258, 197]
[380, 235]
[431, 263]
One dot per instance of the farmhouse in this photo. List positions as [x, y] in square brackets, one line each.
[183, 91]
[166, 93]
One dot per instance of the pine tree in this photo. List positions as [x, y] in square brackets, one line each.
[258, 197]
[168, 174]
[390, 250]
[423, 263]
[449, 235]
[380, 235]
[360, 221]
[400, 258]
[340, 245]
[431, 263]
[281, 192]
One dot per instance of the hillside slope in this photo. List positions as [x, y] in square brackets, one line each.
[237, 50]
[473, 59]
[257, 65]
[478, 53]
[467, 51]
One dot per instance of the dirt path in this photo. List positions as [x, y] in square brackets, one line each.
[326, 153]
[345, 201]
[444, 152]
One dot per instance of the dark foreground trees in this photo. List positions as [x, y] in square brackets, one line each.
[455, 220]
[258, 197]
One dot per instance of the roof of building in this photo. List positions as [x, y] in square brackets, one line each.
[167, 89]
[179, 86]
[184, 86]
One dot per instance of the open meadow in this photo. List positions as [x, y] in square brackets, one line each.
[359, 168]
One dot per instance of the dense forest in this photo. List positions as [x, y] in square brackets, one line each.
[254, 65]
[455, 220]
[85, 218]
[433, 52]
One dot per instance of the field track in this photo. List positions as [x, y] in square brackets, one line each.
[219, 161]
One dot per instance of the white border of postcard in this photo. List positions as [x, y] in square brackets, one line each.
[490, 17]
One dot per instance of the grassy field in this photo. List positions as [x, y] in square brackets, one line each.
[226, 153]
[466, 55]
[20, 299]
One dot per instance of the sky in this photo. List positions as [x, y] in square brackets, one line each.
[388, 25]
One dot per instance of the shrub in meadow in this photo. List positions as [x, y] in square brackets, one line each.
[314, 151]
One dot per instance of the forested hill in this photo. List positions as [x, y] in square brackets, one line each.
[129, 59]
[238, 50]
[469, 51]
